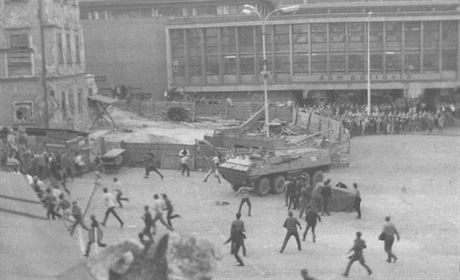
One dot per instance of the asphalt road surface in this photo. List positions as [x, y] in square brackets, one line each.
[414, 179]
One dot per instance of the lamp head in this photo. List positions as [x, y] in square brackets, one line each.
[290, 9]
[247, 11]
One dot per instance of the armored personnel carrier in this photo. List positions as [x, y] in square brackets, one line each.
[268, 172]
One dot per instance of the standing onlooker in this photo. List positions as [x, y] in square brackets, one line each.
[358, 246]
[357, 200]
[215, 161]
[94, 235]
[109, 202]
[389, 231]
[311, 217]
[148, 225]
[169, 210]
[118, 186]
[291, 224]
[184, 153]
[243, 193]
[316, 196]
[326, 192]
[79, 164]
[237, 237]
[184, 165]
[150, 165]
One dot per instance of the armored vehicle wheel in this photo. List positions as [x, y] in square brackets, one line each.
[263, 186]
[317, 177]
[278, 184]
[235, 187]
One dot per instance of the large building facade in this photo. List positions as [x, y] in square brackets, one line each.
[125, 40]
[22, 93]
[414, 51]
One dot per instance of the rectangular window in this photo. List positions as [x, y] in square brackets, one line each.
[449, 34]
[60, 48]
[212, 51]
[393, 35]
[319, 37]
[229, 64]
[318, 63]
[376, 36]
[177, 52]
[356, 62]
[170, 11]
[300, 37]
[68, 49]
[19, 41]
[412, 62]
[412, 35]
[23, 112]
[355, 36]
[63, 104]
[19, 64]
[430, 61]
[337, 37]
[247, 64]
[80, 100]
[393, 62]
[229, 50]
[206, 10]
[246, 39]
[337, 62]
[430, 34]
[376, 62]
[282, 63]
[282, 38]
[77, 50]
[195, 44]
[449, 59]
[71, 99]
[300, 63]
[212, 65]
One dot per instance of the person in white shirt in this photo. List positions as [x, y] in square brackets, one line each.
[184, 165]
[214, 168]
[109, 201]
[118, 189]
[158, 206]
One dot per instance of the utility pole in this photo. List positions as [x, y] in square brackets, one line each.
[43, 62]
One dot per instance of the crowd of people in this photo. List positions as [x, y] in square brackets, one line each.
[386, 118]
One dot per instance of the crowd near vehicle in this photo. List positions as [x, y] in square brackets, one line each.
[268, 171]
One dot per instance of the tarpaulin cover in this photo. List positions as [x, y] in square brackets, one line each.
[341, 200]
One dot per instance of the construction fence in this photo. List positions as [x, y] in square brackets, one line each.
[238, 110]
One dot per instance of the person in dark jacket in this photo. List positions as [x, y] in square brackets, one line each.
[326, 193]
[237, 237]
[311, 217]
[358, 246]
[150, 165]
[291, 224]
[169, 210]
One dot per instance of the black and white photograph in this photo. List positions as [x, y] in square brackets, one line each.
[229, 139]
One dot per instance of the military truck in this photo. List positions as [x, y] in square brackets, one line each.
[269, 171]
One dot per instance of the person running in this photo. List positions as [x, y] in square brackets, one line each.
[358, 246]
[237, 237]
[311, 217]
[78, 218]
[169, 209]
[109, 202]
[65, 205]
[357, 200]
[118, 189]
[79, 164]
[150, 165]
[158, 205]
[215, 161]
[243, 193]
[291, 224]
[94, 235]
[326, 193]
[389, 232]
[148, 225]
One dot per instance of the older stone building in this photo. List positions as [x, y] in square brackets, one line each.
[21, 88]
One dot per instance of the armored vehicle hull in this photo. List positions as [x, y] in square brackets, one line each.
[268, 172]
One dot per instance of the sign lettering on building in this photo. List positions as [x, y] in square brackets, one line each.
[361, 78]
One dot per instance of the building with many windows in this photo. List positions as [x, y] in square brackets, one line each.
[125, 39]
[414, 51]
[21, 88]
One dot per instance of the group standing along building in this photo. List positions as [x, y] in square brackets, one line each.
[23, 95]
[322, 49]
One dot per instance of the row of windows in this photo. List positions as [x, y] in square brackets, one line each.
[172, 11]
[327, 47]
[19, 56]
[67, 102]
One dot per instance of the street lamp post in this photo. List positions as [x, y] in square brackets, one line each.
[249, 10]
[368, 65]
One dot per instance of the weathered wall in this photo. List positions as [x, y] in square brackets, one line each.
[128, 51]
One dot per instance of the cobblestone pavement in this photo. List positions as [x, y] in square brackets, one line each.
[427, 214]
